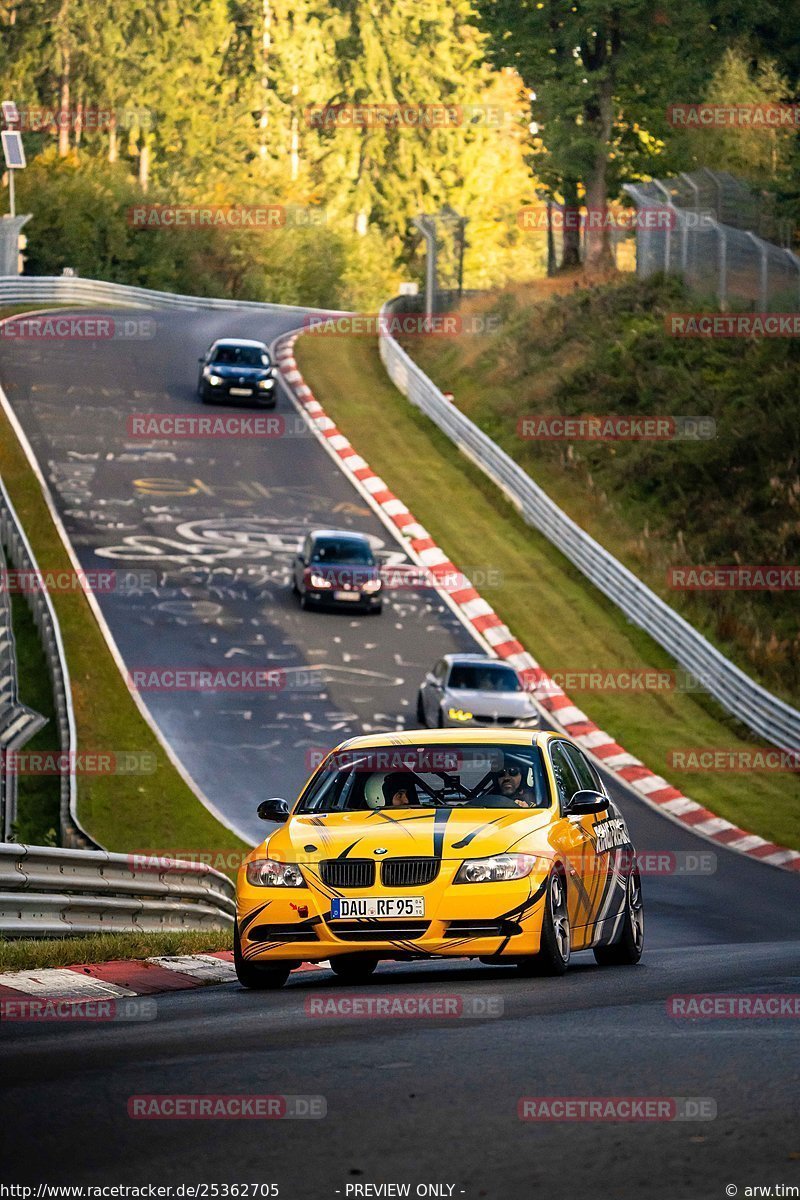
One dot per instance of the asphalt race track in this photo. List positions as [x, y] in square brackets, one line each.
[409, 1100]
[214, 526]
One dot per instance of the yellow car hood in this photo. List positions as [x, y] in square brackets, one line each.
[438, 833]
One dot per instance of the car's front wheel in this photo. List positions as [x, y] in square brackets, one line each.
[556, 942]
[422, 720]
[627, 951]
[353, 968]
[258, 976]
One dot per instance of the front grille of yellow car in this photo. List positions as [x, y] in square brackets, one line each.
[409, 872]
[347, 872]
[380, 931]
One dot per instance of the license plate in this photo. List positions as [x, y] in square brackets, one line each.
[241, 391]
[377, 907]
[346, 596]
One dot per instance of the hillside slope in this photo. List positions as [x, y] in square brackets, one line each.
[732, 499]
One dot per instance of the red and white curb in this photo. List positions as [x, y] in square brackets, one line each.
[122, 978]
[459, 593]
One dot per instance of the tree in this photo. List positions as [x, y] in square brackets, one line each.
[603, 73]
[759, 153]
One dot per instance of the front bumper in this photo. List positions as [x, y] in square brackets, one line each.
[235, 393]
[482, 920]
[361, 600]
[479, 722]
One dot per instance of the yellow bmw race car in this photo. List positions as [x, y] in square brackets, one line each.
[500, 846]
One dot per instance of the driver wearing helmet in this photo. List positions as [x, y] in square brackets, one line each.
[398, 789]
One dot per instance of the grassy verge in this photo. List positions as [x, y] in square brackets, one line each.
[33, 954]
[38, 796]
[565, 622]
[123, 812]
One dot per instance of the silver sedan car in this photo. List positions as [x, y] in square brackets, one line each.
[466, 690]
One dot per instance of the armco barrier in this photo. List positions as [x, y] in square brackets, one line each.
[67, 289]
[20, 556]
[18, 723]
[48, 892]
[758, 709]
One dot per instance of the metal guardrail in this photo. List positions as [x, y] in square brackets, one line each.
[63, 289]
[48, 892]
[18, 722]
[21, 557]
[757, 708]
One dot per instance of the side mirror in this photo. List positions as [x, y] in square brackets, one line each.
[585, 802]
[274, 809]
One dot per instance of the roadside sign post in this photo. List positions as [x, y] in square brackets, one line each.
[14, 155]
[11, 241]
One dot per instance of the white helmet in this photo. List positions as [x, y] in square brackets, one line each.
[373, 791]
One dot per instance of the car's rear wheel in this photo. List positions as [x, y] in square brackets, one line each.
[422, 720]
[258, 976]
[627, 951]
[556, 943]
[353, 968]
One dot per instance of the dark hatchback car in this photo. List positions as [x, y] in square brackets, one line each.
[235, 370]
[337, 568]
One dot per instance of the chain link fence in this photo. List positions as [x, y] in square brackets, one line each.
[703, 227]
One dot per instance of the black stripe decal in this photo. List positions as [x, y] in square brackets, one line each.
[441, 817]
[345, 853]
[465, 841]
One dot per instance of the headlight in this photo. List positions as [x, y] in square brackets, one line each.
[264, 872]
[458, 714]
[371, 586]
[266, 383]
[319, 581]
[496, 870]
[214, 380]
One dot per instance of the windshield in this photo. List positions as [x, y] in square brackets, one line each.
[480, 678]
[240, 356]
[342, 550]
[452, 776]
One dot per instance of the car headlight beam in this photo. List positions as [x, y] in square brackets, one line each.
[319, 581]
[265, 872]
